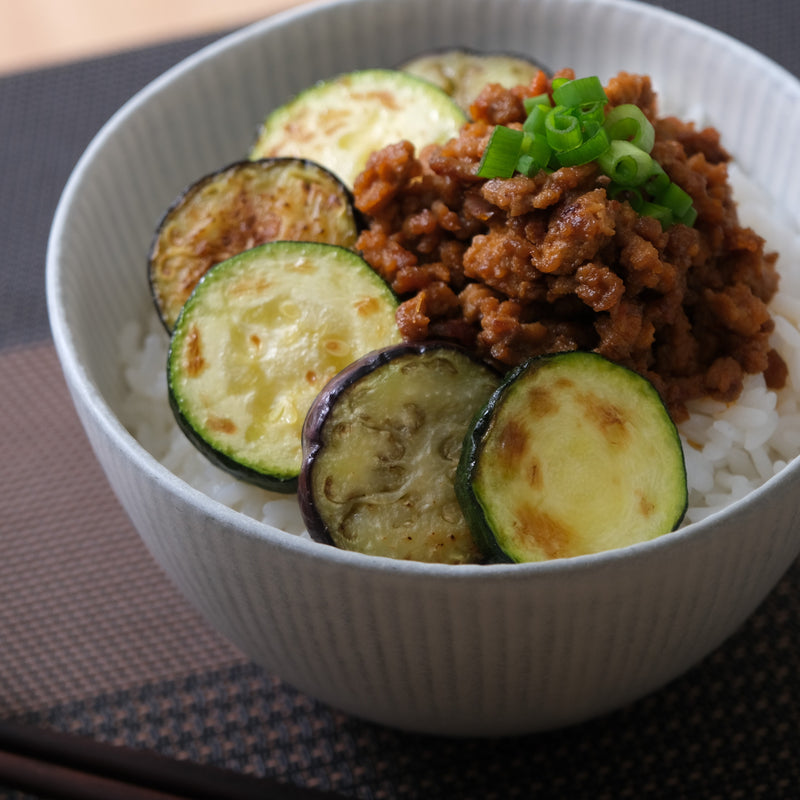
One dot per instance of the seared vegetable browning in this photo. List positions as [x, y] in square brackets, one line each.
[239, 207]
[260, 336]
[339, 122]
[572, 455]
[463, 73]
[380, 448]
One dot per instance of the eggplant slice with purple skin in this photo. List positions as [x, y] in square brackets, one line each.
[381, 444]
[239, 207]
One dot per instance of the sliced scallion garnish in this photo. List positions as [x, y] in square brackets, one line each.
[562, 129]
[539, 100]
[588, 150]
[675, 198]
[580, 91]
[534, 122]
[591, 113]
[663, 214]
[658, 181]
[501, 154]
[629, 122]
[537, 153]
[576, 131]
[690, 217]
[625, 163]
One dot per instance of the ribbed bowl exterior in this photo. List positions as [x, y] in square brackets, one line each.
[447, 650]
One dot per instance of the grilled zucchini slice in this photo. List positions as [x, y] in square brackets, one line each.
[463, 73]
[259, 337]
[339, 122]
[380, 448]
[572, 455]
[238, 207]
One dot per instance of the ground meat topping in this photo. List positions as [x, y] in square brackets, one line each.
[513, 268]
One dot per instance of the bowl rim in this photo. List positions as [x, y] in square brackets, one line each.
[87, 394]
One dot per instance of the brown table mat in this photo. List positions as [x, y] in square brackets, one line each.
[85, 609]
[95, 640]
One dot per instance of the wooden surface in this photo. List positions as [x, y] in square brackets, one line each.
[36, 33]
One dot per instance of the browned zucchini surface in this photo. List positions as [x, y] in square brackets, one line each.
[463, 73]
[380, 448]
[572, 455]
[341, 121]
[241, 206]
[258, 338]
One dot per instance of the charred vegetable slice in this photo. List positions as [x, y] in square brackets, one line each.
[464, 73]
[238, 207]
[572, 455]
[341, 121]
[256, 341]
[380, 448]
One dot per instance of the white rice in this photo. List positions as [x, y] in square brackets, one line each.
[729, 450]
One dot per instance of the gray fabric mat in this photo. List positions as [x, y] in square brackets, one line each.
[47, 118]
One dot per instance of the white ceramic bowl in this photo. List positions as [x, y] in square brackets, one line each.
[450, 650]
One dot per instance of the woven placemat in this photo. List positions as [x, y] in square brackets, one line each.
[47, 118]
[95, 640]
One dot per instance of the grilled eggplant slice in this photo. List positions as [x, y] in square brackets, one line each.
[572, 455]
[238, 207]
[259, 337]
[463, 73]
[339, 122]
[380, 448]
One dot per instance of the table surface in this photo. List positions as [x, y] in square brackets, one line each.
[40, 33]
[96, 641]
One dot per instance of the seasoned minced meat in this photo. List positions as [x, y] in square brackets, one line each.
[518, 267]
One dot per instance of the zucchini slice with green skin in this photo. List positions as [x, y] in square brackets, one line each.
[259, 337]
[238, 207]
[380, 448]
[463, 73]
[572, 455]
[339, 122]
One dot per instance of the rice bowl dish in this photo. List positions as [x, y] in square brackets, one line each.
[474, 649]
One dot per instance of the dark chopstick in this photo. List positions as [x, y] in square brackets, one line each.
[60, 783]
[63, 766]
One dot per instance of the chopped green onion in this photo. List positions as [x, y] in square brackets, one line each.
[527, 165]
[589, 128]
[562, 129]
[534, 122]
[663, 214]
[674, 198]
[632, 195]
[540, 100]
[628, 122]
[535, 145]
[579, 92]
[625, 163]
[535, 154]
[689, 218]
[658, 180]
[501, 153]
[589, 150]
[591, 113]
[578, 131]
